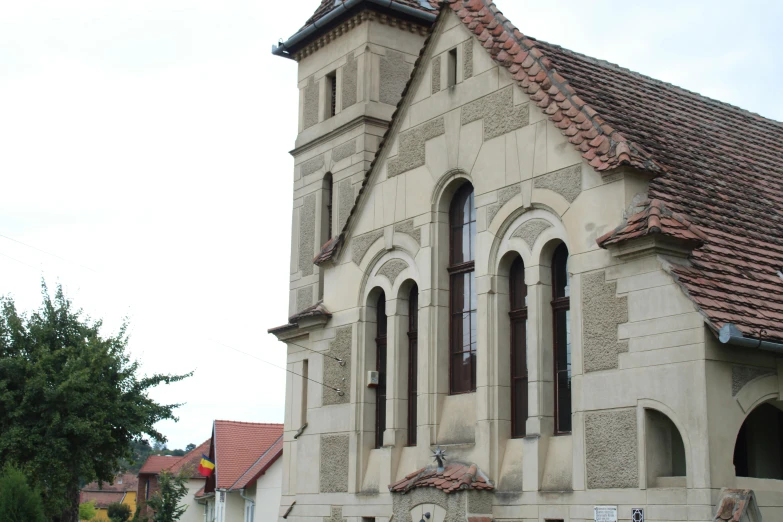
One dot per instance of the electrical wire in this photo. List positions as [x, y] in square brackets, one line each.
[48, 253]
[19, 261]
[342, 363]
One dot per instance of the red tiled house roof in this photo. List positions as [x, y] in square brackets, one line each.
[191, 460]
[124, 482]
[655, 218]
[102, 499]
[238, 447]
[261, 465]
[718, 167]
[328, 6]
[454, 477]
[157, 463]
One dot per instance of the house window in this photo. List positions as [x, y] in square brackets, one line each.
[380, 365]
[451, 67]
[462, 222]
[413, 361]
[561, 304]
[518, 317]
[331, 94]
[759, 448]
[328, 199]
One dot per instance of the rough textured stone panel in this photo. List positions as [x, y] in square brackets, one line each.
[435, 74]
[313, 165]
[395, 72]
[480, 502]
[498, 112]
[612, 453]
[310, 103]
[304, 298]
[454, 503]
[567, 182]
[362, 243]
[336, 515]
[468, 58]
[411, 151]
[602, 312]
[392, 268]
[742, 375]
[346, 199]
[346, 150]
[530, 230]
[350, 81]
[504, 196]
[307, 235]
[337, 375]
[406, 227]
[334, 465]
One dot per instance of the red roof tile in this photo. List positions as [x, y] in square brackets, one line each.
[454, 477]
[238, 447]
[102, 499]
[654, 218]
[262, 464]
[191, 460]
[124, 482]
[157, 463]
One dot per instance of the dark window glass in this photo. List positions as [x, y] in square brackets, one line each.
[331, 89]
[758, 452]
[518, 316]
[462, 223]
[561, 304]
[329, 195]
[413, 362]
[380, 365]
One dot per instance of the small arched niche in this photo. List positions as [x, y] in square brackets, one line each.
[758, 451]
[666, 462]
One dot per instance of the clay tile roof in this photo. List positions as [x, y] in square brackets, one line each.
[191, 460]
[454, 477]
[735, 505]
[238, 446]
[716, 166]
[654, 218]
[102, 499]
[318, 309]
[157, 463]
[261, 465]
[122, 483]
[327, 6]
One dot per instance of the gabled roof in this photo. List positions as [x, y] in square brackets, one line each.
[102, 499]
[124, 482]
[191, 460]
[157, 463]
[238, 446]
[454, 477]
[717, 166]
[261, 465]
[654, 218]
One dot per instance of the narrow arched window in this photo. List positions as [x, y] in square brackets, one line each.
[561, 304]
[518, 317]
[413, 362]
[380, 366]
[462, 224]
[328, 197]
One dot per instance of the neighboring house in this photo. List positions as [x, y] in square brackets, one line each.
[150, 471]
[123, 491]
[246, 483]
[561, 272]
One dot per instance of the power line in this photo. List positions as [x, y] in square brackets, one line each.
[340, 361]
[339, 391]
[19, 261]
[48, 253]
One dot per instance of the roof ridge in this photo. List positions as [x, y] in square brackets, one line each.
[250, 423]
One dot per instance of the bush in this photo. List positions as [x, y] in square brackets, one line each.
[87, 510]
[18, 501]
[119, 512]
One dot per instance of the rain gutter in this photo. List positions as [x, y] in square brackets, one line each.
[730, 334]
[282, 49]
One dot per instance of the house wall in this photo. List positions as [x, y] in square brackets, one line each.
[267, 493]
[637, 341]
[195, 511]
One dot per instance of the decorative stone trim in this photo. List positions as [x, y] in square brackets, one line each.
[530, 230]
[361, 244]
[612, 449]
[436, 75]
[406, 227]
[467, 53]
[350, 80]
[504, 196]
[602, 312]
[392, 268]
[567, 182]
[307, 235]
[346, 150]
[394, 72]
[313, 165]
[742, 375]
[346, 198]
[498, 112]
[412, 152]
[310, 103]
[338, 375]
[334, 468]
[304, 298]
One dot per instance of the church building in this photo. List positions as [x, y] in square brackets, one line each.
[525, 284]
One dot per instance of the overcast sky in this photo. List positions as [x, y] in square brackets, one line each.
[145, 144]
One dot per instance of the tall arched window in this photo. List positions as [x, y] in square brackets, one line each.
[413, 362]
[380, 366]
[326, 232]
[462, 222]
[561, 304]
[518, 317]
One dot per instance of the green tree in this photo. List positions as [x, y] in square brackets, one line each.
[18, 501]
[190, 447]
[87, 510]
[71, 400]
[166, 501]
[118, 512]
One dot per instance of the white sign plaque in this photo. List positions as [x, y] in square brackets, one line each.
[605, 513]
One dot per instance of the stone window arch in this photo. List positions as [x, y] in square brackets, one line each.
[665, 451]
[758, 450]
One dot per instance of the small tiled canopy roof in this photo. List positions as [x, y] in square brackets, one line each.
[717, 166]
[654, 218]
[317, 310]
[454, 477]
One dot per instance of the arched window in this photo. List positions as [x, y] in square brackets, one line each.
[380, 366]
[561, 304]
[666, 460]
[413, 361]
[518, 317]
[462, 224]
[759, 449]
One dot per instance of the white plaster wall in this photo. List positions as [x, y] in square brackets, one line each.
[268, 493]
[195, 511]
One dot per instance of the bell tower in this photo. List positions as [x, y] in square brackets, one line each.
[354, 59]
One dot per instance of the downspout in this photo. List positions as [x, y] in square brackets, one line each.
[730, 334]
[281, 50]
[252, 504]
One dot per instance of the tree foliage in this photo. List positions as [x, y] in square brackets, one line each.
[87, 511]
[71, 400]
[118, 512]
[18, 501]
[166, 501]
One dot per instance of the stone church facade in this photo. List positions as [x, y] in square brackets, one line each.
[527, 259]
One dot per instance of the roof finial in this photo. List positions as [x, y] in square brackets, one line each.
[440, 456]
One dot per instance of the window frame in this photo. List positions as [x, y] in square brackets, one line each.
[518, 314]
[413, 363]
[560, 304]
[381, 346]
